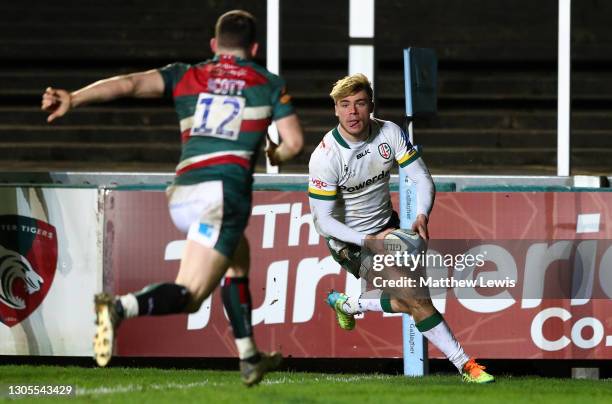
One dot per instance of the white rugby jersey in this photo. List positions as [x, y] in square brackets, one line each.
[356, 175]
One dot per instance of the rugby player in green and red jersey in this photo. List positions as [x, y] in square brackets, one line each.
[224, 107]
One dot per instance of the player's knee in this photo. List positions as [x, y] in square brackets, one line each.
[421, 309]
[412, 305]
[401, 305]
[425, 303]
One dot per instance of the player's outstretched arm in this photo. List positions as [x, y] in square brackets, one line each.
[57, 102]
[290, 132]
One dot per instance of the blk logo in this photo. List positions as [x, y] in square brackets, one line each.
[363, 154]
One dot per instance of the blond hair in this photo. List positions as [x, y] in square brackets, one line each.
[350, 85]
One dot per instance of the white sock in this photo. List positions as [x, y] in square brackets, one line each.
[370, 304]
[367, 301]
[130, 305]
[246, 347]
[442, 337]
[351, 306]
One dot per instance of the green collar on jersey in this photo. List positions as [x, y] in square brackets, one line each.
[342, 142]
[339, 138]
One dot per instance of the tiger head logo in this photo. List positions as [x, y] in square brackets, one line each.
[28, 262]
[15, 272]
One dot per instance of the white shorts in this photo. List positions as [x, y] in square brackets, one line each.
[197, 210]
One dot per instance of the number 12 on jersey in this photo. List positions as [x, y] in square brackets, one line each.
[218, 116]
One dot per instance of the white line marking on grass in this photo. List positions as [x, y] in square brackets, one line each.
[281, 380]
[355, 378]
[133, 388]
[335, 379]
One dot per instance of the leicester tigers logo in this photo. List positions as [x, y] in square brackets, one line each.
[14, 268]
[28, 257]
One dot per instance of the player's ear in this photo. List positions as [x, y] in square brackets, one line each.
[336, 109]
[213, 44]
[253, 49]
[371, 107]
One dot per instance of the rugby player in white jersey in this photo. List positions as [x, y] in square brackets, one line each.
[349, 196]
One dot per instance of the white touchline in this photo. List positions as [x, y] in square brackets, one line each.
[339, 379]
[283, 380]
[131, 388]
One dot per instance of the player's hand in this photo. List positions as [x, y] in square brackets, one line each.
[271, 148]
[57, 102]
[375, 242]
[420, 227]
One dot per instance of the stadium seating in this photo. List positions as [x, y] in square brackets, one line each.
[497, 78]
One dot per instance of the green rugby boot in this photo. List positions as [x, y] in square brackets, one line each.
[336, 300]
[474, 373]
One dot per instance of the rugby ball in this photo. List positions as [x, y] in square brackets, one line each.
[404, 240]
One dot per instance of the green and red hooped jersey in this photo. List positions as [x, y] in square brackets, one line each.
[224, 107]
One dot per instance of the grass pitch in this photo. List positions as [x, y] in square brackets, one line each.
[118, 385]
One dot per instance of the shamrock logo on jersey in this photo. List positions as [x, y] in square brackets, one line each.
[385, 151]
